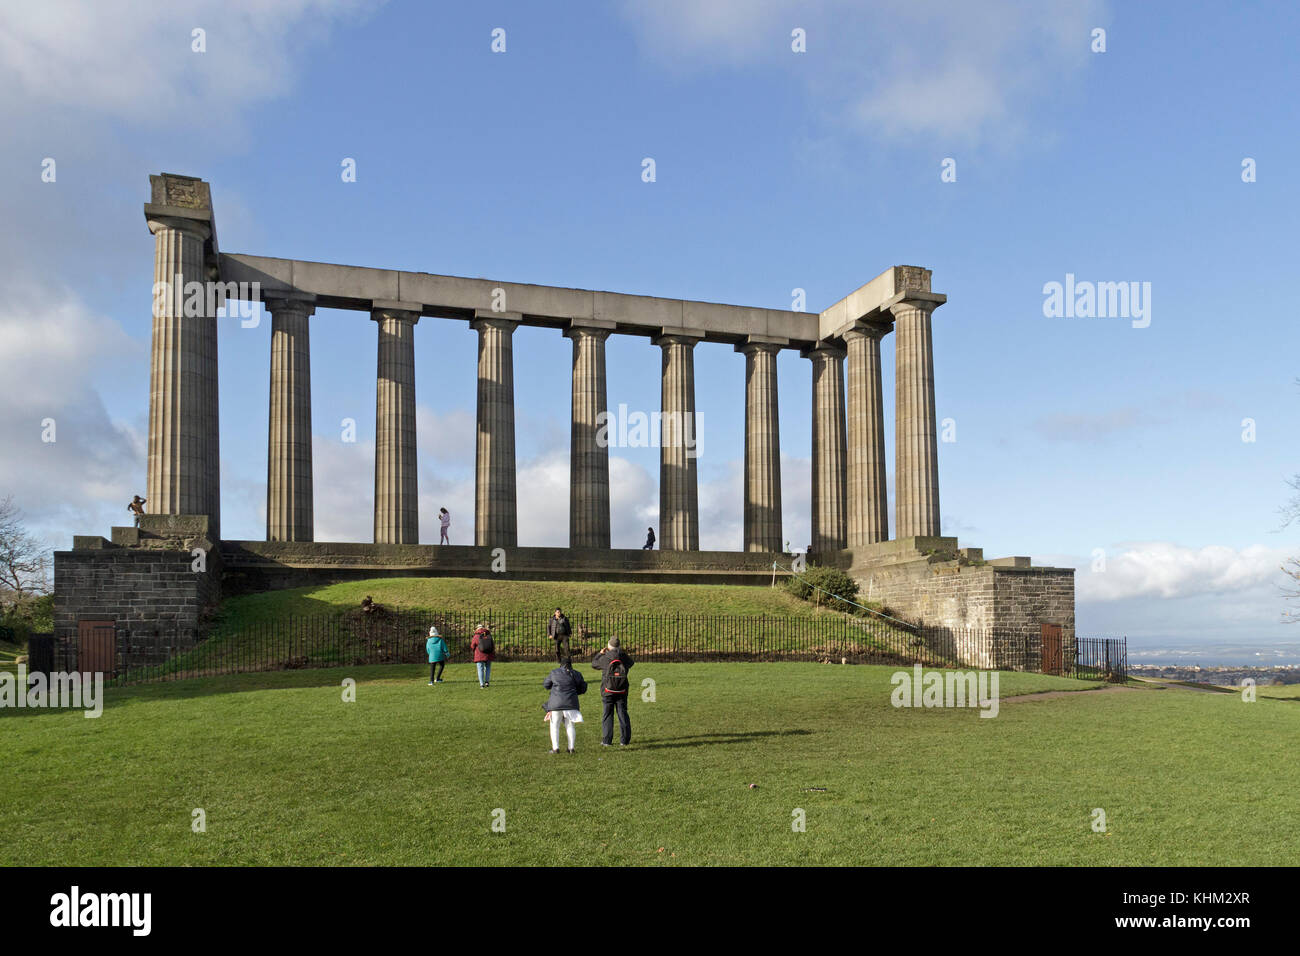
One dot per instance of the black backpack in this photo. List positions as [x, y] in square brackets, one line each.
[616, 679]
[485, 643]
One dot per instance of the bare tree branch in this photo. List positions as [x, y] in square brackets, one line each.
[23, 560]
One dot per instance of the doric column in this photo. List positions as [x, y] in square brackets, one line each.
[828, 465]
[588, 457]
[288, 458]
[868, 503]
[916, 462]
[397, 518]
[495, 517]
[679, 505]
[184, 468]
[762, 448]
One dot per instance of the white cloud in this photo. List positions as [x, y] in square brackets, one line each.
[897, 69]
[134, 61]
[51, 349]
[1169, 571]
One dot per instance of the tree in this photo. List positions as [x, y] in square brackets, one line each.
[23, 561]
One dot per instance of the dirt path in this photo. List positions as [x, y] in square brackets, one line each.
[1048, 695]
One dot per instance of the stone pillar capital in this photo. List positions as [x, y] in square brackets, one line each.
[192, 227]
[823, 350]
[868, 330]
[677, 337]
[487, 319]
[302, 303]
[912, 300]
[759, 343]
[581, 330]
[381, 309]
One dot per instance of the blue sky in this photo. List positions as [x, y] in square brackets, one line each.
[776, 170]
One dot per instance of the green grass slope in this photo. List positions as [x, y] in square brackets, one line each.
[514, 597]
[288, 773]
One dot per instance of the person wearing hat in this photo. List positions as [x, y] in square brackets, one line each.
[437, 649]
[484, 649]
[614, 663]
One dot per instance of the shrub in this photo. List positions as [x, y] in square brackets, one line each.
[824, 586]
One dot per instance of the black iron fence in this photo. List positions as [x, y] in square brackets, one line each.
[398, 637]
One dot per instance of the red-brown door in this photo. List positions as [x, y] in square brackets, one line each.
[96, 647]
[1051, 634]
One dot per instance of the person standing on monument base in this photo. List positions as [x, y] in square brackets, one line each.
[136, 507]
[444, 518]
[614, 662]
[649, 540]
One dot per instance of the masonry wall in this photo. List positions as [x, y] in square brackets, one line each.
[272, 565]
[143, 581]
[944, 590]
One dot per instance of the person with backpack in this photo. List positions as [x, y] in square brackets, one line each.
[485, 652]
[437, 648]
[614, 663]
[565, 685]
[558, 630]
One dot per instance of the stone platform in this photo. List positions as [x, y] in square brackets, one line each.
[272, 565]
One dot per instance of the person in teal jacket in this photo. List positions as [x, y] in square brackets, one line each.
[437, 649]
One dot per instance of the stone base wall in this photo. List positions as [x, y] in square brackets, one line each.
[143, 581]
[993, 611]
[272, 565]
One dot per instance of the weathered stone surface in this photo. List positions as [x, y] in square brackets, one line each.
[762, 448]
[679, 507]
[588, 455]
[496, 521]
[829, 518]
[867, 495]
[396, 494]
[916, 448]
[289, 498]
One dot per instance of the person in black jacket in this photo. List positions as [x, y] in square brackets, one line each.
[649, 540]
[558, 630]
[565, 685]
[614, 663]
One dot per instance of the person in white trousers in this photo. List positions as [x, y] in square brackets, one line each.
[565, 685]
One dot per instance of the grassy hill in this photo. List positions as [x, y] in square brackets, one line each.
[323, 626]
[514, 597]
[288, 773]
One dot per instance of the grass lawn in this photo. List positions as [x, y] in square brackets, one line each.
[410, 774]
[515, 597]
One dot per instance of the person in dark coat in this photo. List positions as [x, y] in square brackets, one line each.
[649, 540]
[558, 630]
[565, 685]
[614, 663]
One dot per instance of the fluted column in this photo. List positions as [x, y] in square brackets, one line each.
[495, 516]
[397, 519]
[762, 448]
[184, 468]
[679, 506]
[868, 502]
[288, 460]
[828, 464]
[588, 454]
[916, 462]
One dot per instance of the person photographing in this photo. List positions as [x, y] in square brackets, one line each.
[614, 663]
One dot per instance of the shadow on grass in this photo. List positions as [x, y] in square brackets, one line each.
[308, 677]
[708, 740]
